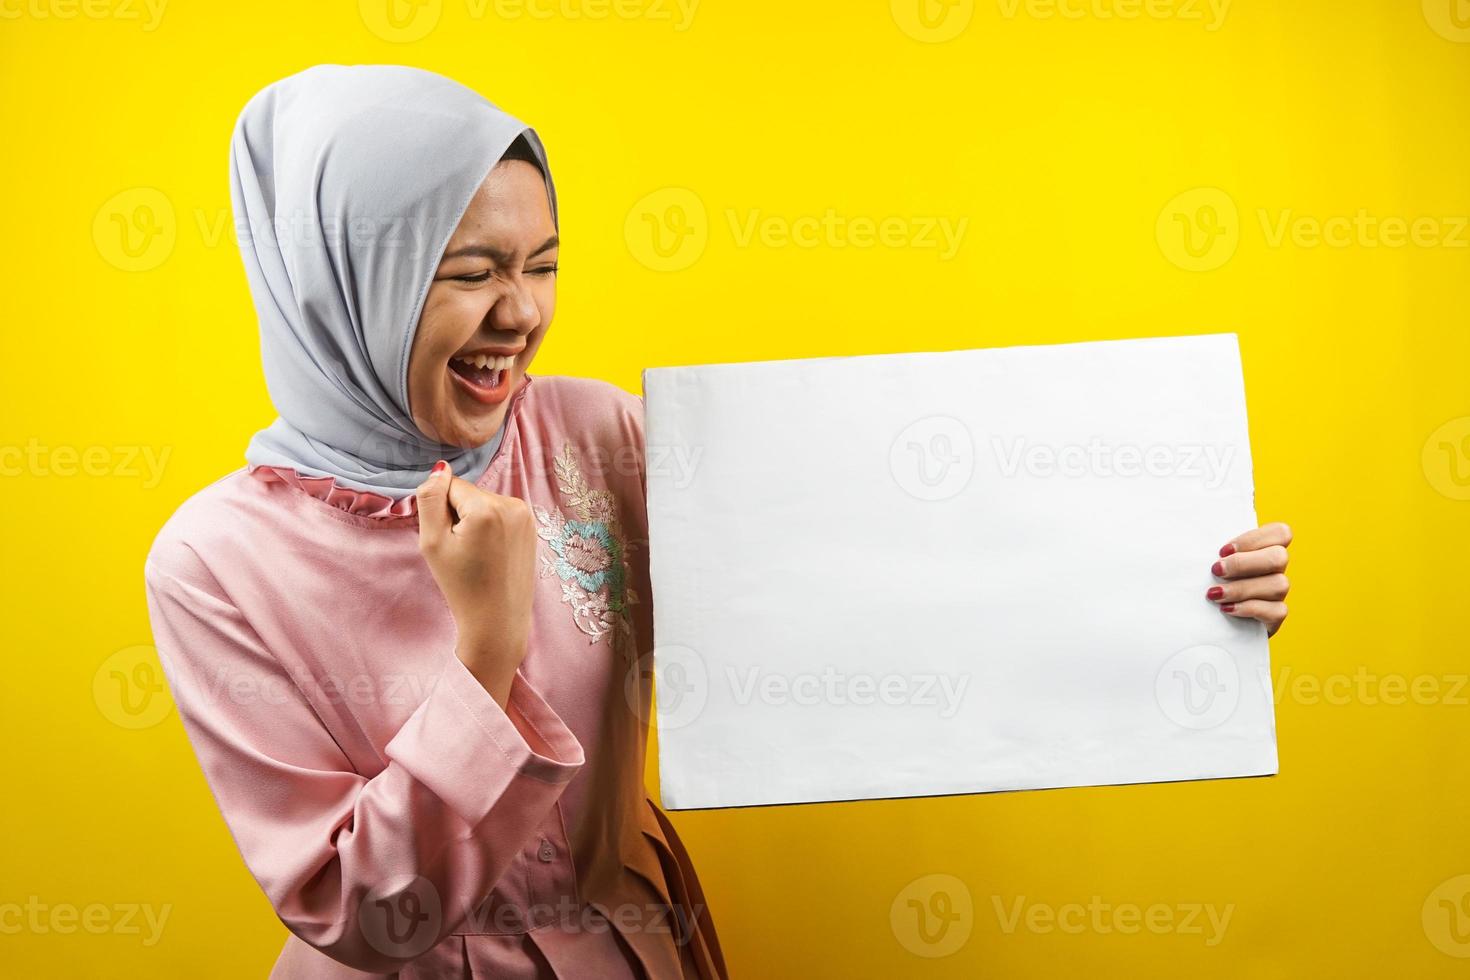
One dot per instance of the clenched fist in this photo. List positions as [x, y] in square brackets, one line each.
[481, 549]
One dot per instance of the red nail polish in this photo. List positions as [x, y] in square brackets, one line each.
[1218, 569]
[1227, 551]
[1215, 593]
[1228, 607]
[440, 467]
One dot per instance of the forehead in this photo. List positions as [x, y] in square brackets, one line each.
[511, 203]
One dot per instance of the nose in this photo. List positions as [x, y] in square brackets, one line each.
[515, 309]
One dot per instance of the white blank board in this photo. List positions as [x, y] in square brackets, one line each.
[958, 572]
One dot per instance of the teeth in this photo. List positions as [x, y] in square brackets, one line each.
[493, 361]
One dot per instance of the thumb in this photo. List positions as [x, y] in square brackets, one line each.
[433, 502]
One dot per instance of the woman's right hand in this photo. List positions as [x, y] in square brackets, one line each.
[481, 549]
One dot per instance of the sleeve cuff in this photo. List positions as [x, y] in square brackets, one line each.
[471, 753]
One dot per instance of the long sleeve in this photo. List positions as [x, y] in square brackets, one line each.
[371, 871]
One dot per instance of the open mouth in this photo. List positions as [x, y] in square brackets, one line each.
[485, 377]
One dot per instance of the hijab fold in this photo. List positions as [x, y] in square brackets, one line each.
[347, 182]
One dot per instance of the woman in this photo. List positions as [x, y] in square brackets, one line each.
[417, 696]
[425, 770]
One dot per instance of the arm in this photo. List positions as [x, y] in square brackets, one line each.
[371, 871]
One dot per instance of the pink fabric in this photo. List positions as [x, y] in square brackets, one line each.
[361, 502]
[400, 822]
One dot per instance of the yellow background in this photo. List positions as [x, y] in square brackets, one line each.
[1065, 137]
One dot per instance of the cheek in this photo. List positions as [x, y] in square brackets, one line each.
[434, 341]
[446, 322]
[455, 317]
[545, 295]
[424, 395]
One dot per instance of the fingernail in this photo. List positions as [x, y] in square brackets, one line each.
[1218, 569]
[1215, 593]
[440, 467]
[1227, 551]
[1228, 607]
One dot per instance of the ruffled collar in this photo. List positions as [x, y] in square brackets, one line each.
[367, 503]
[363, 503]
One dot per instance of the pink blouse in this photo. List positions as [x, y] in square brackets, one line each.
[399, 820]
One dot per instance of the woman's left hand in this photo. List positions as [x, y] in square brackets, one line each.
[1253, 566]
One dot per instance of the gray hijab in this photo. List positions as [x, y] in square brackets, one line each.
[347, 182]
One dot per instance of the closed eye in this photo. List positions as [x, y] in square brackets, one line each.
[479, 277]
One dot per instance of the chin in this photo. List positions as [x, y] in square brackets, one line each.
[472, 432]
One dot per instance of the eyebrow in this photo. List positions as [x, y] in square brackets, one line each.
[489, 252]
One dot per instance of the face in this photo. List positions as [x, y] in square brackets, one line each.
[487, 309]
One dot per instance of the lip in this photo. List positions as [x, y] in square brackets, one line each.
[486, 396]
[487, 351]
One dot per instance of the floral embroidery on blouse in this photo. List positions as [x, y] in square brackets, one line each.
[588, 553]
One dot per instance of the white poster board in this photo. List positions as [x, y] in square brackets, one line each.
[958, 572]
